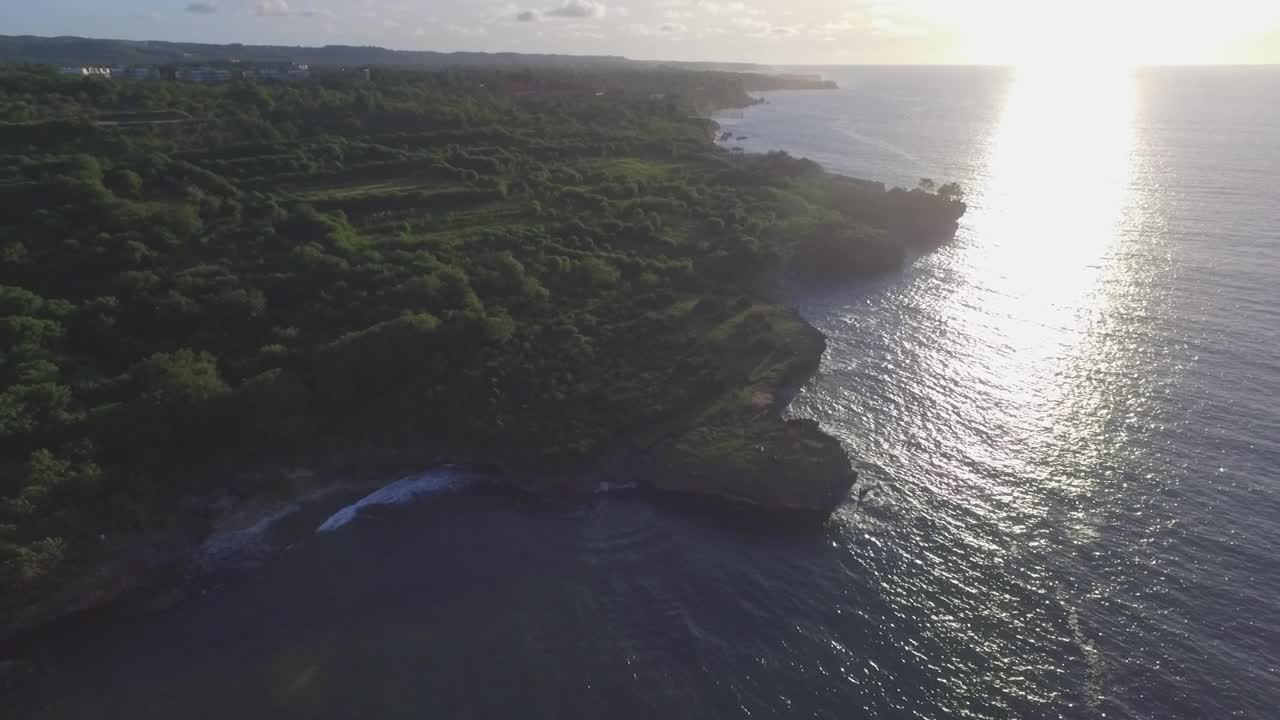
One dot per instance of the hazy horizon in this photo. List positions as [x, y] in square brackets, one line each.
[767, 32]
[632, 58]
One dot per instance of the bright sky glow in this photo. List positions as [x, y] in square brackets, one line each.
[1025, 32]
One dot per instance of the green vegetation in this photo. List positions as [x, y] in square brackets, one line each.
[79, 50]
[418, 260]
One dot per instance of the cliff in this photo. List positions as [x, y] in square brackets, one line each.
[742, 450]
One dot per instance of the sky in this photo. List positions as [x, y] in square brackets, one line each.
[814, 32]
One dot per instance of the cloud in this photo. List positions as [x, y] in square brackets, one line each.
[712, 7]
[845, 23]
[313, 13]
[754, 27]
[675, 9]
[895, 28]
[272, 8]
[202, 7]
[584, 30]
[663, 29]
[570, 10]
[505, 12]
[466, 30]
[579, 9]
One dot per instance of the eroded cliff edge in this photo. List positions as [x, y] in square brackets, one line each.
[743, 450]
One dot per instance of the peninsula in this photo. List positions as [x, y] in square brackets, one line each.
[552, 272]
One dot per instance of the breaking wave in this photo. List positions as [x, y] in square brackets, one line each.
[400, 492]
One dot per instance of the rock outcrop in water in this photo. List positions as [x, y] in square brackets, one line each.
[744, 451]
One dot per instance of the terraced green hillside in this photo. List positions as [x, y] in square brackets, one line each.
[314, 272]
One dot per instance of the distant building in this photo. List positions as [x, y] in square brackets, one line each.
[136, 72]
[202, 74]
[282, 72]
[86, 71]
[270, 73]
[143, 72]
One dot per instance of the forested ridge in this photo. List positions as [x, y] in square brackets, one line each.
[197, 277]
[85, 50]
[71, 50]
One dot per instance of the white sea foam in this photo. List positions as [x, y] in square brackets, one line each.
[404, 490]
[242, 543]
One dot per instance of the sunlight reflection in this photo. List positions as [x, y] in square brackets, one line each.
[1058, 183]
[1045, 230]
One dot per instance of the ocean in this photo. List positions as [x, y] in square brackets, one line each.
[1068, 429]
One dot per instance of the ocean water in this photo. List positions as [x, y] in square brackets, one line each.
[1067, 422]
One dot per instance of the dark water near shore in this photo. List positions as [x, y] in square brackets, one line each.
[1069, 429]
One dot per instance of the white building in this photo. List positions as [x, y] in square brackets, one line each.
[86, 71]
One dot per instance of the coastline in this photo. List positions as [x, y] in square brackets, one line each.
[158, 571]
[733, 445]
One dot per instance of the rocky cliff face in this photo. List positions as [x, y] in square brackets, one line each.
[785, 465]
[741, 449]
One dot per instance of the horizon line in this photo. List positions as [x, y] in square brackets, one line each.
[584, 56]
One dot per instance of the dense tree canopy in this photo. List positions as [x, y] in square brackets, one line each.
[196, 277]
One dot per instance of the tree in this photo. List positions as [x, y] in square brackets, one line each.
[951, 191]
[185, 379]
[22, 566]
[125, 183]
[598, 272]
[277, 404]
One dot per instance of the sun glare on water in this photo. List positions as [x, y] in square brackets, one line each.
[1048, 220]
